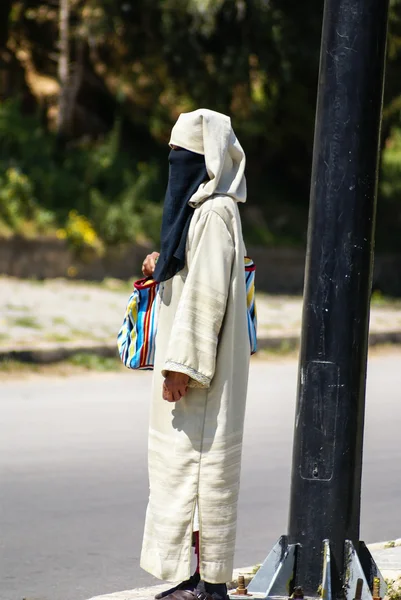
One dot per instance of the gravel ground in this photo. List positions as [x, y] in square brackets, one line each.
[57, 311]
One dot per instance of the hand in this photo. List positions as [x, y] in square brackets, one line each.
[175, 386]
[149, 264]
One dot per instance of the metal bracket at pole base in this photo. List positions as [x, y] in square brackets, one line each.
[277, 577]
[360, 574]
[325, 591]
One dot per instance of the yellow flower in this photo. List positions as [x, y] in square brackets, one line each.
[80, 232]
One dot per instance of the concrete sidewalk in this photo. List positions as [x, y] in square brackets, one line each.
[388, 557]
[386, 554]
[45, 322]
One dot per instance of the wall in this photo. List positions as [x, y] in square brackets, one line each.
[279, 270]
[48, 258]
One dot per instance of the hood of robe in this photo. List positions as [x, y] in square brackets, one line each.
[210, 133]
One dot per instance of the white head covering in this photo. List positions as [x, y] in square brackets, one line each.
[210, 133]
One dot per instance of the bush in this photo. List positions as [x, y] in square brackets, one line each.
[93, 191]
[79, 232]
[389, 204]
[19, 210]
[131, 215]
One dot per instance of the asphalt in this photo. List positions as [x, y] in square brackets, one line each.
[49, 322]
[74, 482]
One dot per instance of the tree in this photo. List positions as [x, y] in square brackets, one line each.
[64, 109]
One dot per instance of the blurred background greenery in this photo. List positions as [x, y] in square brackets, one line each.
[89, 90]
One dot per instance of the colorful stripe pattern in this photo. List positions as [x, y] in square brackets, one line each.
[250, 302]
[136, 338]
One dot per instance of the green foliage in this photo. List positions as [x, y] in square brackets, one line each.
[389, 206]
[27, 146]
[80, 233]
[112, 198]
[93, 362]
[18, 208]
[28, 322]
[130, 211]
[135, 65]
[391, 167]
[394, 589]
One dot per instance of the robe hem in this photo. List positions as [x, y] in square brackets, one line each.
[166, 575]
[211, 572]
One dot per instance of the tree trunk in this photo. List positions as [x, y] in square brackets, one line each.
[64, 110]
[5, 57]
[5, 9]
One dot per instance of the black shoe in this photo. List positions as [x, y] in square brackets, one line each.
[218, 591]
[189, 585]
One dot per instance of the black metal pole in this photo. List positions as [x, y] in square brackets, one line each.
[327, 458]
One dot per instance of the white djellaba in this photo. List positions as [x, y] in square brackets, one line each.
[195, 444]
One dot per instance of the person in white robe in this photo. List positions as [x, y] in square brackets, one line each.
[201, 362]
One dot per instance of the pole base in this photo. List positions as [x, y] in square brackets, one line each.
[364, 569]
[276, 577]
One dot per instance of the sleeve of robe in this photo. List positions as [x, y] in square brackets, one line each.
[192, 347]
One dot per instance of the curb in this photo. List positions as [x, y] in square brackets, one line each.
[385, 545]
[147, 593]
[291, 342]
[54, 353]
[47, 353]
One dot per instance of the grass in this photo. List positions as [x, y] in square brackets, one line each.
[285, 350]
[19, 368]
[10, 306]
[84, 335]
[28, 322]
[59, 321]
[75, 365]
[394, 589]
[57, 337]
[93, 362]
[378, 300]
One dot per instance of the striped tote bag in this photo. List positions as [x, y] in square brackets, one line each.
[250, 269]
[136, 338]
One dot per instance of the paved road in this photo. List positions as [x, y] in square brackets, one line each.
[73, 476]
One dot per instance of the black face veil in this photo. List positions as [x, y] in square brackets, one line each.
[187, 172]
